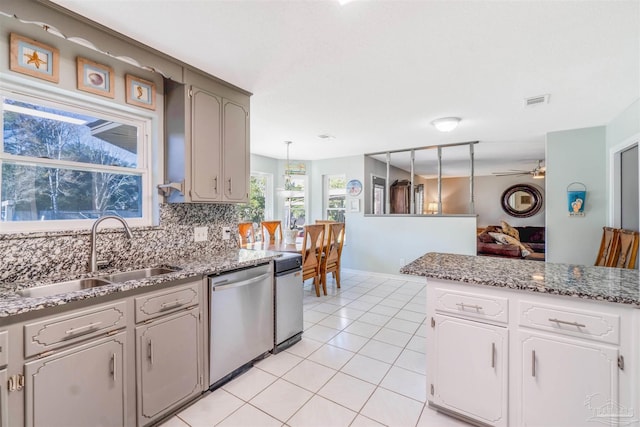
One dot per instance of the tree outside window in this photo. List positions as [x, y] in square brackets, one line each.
[336, 197]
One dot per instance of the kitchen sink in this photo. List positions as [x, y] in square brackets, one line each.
[92, 282]
[143, 273]
[62, 287]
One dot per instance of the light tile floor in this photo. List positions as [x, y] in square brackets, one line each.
[361, 362]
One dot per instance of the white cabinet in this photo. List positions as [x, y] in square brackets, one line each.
[505, 357]
[78, 387]
[207, 150]
[567, 382]
[468, 368]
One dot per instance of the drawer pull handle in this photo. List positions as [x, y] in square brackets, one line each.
[564, 322]
[533, 363]
[82, 329]
[171, 304]
[493, 355]
[463, 306]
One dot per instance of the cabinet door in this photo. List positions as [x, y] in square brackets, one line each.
[4, 401]
[83, 386]
[206, 134]
[236, 152]
[469, 369]
[567, 382]
[168, 363]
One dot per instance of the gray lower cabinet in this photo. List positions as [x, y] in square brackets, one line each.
[168, 363]
[82, 386]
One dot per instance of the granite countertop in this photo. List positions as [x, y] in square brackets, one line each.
[596, 283]
[12, 303]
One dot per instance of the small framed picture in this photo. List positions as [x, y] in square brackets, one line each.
[95, 78]
[354, 205]
[140, 92]
[34, 58]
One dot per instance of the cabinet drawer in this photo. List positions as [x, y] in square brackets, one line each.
[167, 301]
[59, 331]
[477, 306]
[4, 348]
[569, 321]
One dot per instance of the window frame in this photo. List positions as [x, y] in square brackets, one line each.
[326, 195]
[81, 104]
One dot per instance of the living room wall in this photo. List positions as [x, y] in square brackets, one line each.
[488, 193]
[575, 155]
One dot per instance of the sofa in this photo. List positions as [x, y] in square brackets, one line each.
[532, 238]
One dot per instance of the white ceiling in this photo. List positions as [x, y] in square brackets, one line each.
[374, 74]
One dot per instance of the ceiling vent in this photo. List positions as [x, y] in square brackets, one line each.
[536, 100]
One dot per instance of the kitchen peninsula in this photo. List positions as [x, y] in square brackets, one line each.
[515, 343]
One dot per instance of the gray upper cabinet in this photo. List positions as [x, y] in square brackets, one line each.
[207, 146]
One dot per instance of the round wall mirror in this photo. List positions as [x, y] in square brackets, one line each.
[522, 200]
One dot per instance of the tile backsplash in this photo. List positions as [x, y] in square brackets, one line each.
[60, 255]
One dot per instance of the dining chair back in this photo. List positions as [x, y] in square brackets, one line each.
[626, 249]
[245, 232]
[607, 247]
[273, 228]
[326, 223]
[312, 254]
[332, 254]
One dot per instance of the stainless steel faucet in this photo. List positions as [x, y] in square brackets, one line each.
[93, 263]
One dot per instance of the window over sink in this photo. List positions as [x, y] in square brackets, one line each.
[66, 163]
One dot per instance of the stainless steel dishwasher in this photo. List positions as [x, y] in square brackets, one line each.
[289, 293]
[241, 320]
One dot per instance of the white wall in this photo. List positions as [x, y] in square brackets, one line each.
[383, 243]
[575, 155]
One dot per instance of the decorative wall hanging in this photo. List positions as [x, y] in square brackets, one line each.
[34, 58]
[576, 197]
[95, 78]
[354, 188]
[140, 92]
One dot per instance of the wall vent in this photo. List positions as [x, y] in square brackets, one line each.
[536, 100]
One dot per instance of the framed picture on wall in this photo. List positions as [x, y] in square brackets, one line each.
[33, 58]
[95, 78]
[140, 92]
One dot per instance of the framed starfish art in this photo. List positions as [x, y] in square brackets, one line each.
[34, 58]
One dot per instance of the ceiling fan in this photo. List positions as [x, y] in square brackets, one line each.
[537, 173]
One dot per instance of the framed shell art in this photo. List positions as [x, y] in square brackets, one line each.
[33, 58]
[95, 78]
[140, 92]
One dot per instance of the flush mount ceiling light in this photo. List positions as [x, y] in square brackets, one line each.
[326, 136]
[446, 124]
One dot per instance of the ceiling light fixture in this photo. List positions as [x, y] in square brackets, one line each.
[446, 124]
[326, 136]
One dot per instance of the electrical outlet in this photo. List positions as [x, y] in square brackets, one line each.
[200, 234]
[226, 233]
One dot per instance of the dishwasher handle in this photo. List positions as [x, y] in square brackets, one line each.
[224, 284]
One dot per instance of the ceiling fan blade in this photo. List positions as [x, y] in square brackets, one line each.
[510, 173]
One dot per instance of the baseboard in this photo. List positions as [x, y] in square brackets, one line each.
[403, 277]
